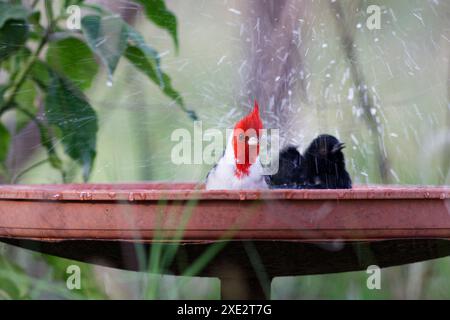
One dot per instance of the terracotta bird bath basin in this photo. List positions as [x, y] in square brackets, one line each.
[288, 232]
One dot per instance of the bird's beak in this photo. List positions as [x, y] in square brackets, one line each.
[338, 147]
[252, 141]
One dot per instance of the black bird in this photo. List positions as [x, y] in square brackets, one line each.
[290, 173]
[325, 164]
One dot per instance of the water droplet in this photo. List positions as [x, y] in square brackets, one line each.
[393, 134]
[57, 196]
[350, 94]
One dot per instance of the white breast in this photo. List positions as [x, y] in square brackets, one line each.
[222, 176]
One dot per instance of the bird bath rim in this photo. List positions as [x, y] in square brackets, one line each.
[153, 191]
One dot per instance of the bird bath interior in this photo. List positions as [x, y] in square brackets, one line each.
[294, 232]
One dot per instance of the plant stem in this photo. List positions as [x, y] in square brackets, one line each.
[26, 170]
[49, 13]
[46, 142]
[366, 99]
[33, 5]
[29, 64]
[22, 76]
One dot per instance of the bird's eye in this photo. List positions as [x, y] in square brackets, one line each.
[241, 136]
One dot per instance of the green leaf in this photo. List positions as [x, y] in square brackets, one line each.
[13, 35]
[141, 61]
[39, 73]
[68, 110]
[34, 20]
[9, 289]
[16, 62]
[25, 98]
[5, 139]
[10, 11]
[138, 41]
[157, 12]
[2, 92]
[107, 37]
[73, 58]
[13, 28]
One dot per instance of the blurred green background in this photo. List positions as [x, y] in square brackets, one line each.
[406, 66]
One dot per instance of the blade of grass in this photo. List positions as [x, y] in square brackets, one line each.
[155, 253]
[258, 266]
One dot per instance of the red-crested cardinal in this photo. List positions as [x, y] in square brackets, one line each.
[239, 167]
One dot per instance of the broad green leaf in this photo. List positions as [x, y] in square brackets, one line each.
[158, 13]
[141, 61]
[107, 37]
[16, 62]
[68, 110]
[25, 98]
[73, 58]
[13, 28]
[10, 11]
[39, 73]
[5, 139]
[13, 35]
[40, 76]
[152, 56]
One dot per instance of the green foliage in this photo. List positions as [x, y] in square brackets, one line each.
[68, 69]
[68, 110]
[25, 99]
[157, 12]
[13, 35]
[90, 288]
[14, 283]
[149, 66]
[5, 137]
[61, 56]
[107, 37]
[150, 55]
[13, 28]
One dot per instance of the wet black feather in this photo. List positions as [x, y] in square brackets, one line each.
[325, 164]
[322, 166]
[290, 173]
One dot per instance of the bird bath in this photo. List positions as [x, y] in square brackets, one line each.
[293, 232]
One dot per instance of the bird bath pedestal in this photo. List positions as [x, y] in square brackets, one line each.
[249, 236]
